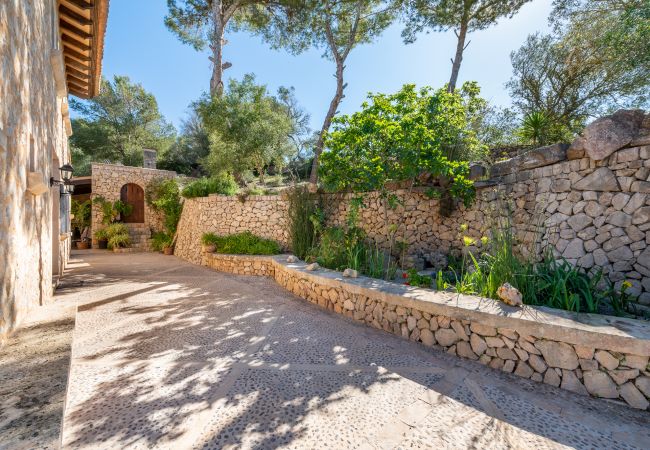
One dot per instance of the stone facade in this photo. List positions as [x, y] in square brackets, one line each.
[262, 215]
[602, 356]
[34, 126]
[593, 213]
[107, 182]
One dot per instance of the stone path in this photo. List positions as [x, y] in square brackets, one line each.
[34, 367]
[171, 355]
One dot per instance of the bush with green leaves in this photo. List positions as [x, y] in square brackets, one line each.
[163, 195]
[112, 212]
[223, 184]
[82, 213]
[302, 206]
[551, 282]
[245, 243]
[398, 137]
[117, 235]
[161, 240]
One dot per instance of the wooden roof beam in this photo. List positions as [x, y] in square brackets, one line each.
[73, 31]
[79, 5]
[76, 64]
[77, 73]
[73, 18]
[77, 81]
[84, 59]
[80, 46]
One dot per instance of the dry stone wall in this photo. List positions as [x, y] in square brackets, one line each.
[262, 215]
[589, 355]
[594, 213]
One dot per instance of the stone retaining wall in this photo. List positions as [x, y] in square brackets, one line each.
[594, 355]
[263, 215]
[593, 213]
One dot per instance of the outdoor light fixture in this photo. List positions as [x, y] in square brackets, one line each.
[65, 172]
[70, 188]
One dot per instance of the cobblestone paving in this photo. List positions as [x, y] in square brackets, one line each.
[171, 355]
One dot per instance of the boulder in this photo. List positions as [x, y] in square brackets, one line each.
[446, 337]
[313, 266]
[604, 136]
[292, 259]
[350, 273]
[538, 157]
[601, 180]
[633, 397]
[558, 354]
[599, 384]
[510, 295]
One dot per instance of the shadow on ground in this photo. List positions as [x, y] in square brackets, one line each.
[196, 358]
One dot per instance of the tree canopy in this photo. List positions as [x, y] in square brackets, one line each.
[248, 129]
[202, 23]
[399, 137]
[117, 124]
[333, 26]
[464, 16]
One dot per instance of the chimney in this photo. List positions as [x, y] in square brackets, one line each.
[149, 158]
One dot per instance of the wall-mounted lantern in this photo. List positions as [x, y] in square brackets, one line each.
[65, 186]
[65, 172]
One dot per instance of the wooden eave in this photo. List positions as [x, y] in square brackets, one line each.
[82, 25]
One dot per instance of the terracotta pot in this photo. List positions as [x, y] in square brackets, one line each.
[168, 251]
[83, 245]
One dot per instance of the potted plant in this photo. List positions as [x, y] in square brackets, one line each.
[207, 243]
[80, 219]
[102, 238]
[117, 236]
[163, 242]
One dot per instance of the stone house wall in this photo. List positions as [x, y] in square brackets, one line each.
[34, 125]
[107, 181]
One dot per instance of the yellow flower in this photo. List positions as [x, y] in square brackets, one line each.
[626, 285]
[463, 227]
[468, 241]
[484, 240]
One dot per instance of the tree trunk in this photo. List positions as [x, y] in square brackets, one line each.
[460, 47]
[334, 105]
[216, 45]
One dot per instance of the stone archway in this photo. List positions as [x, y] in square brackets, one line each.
[133, 195]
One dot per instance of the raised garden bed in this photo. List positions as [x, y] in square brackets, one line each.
[590, 354]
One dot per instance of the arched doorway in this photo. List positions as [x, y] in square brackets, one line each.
[133, 195]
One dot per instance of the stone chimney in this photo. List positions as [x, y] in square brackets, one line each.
[149, 158]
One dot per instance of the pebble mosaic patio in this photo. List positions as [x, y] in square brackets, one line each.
[168, 354]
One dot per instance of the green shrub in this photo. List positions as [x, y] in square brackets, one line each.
[163, 195]
[301, 227]
[244, 243]
[415, 279]
[117, 235]
[550, 282]
[112, 211]
[161, 240]
[224, 184]
[101, 235]
[119, 241]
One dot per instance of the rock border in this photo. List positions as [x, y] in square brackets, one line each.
[590, 354]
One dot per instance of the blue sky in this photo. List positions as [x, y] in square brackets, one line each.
[139, 45]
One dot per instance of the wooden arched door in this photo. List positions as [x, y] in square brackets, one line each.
[133, 195]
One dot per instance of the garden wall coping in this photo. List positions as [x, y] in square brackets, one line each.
[589, 330]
